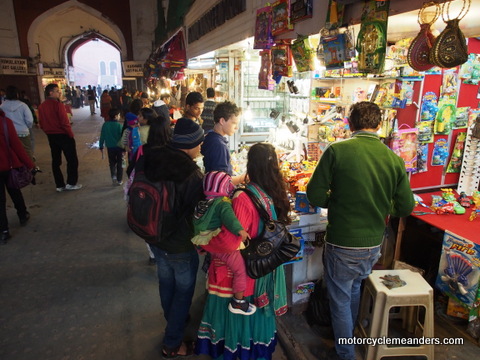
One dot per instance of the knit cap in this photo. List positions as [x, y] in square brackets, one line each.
[217, 183]
[187, 134]
[131, 118]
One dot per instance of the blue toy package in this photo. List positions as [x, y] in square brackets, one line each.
[302, 204]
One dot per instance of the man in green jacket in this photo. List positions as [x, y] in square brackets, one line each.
[361, 182]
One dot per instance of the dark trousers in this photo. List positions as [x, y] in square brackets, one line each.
[63, 143]
[115, 156]
[17, 199]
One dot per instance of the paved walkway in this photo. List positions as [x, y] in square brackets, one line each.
[74, 282]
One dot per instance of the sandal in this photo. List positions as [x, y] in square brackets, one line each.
[170, 353]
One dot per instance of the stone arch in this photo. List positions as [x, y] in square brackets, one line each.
[60, 30]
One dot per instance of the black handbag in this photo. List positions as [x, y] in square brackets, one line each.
[274, 246]
[17, 177]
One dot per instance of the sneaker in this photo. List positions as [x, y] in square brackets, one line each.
[24, 219]
[119, 183]
[73, 187]
[114, 180]
[60, 189]
[242, 307]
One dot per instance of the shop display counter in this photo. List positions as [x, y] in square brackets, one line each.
[301, 274]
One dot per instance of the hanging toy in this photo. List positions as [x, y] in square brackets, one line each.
[456, 272]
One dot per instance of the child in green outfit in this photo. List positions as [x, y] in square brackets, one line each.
[110, 135]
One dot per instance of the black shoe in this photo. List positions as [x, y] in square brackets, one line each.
[5, 236]
[151, 261]
[24, 219]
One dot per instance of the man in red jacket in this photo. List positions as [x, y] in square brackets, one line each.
[54, 122]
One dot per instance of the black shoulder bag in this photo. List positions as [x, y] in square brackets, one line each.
[274, 246]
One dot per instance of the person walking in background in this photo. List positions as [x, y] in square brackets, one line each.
[21, 116]
[209, 106]
[361, 182]
[105, 104]
[12, 155]
[161, 105]
[109, 136]
[54, 122]
[175, 255]
[92, 98]
[194, 107]
[215, 149]
[223, 334]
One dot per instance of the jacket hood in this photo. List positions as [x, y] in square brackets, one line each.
[12, 105]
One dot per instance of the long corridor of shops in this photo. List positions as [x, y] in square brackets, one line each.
[75, 283]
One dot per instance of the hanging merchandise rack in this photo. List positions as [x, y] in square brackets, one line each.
[470, 173]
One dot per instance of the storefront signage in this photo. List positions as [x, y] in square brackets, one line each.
[216, 16]
[132, 68]
[10, 66]
[53, 72]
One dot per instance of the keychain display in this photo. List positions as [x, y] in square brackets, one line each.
[450, 47]
[419, 50]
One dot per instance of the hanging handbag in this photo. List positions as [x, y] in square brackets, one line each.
[450, 47]
[272, 247]
[17, 177]
[419, 49]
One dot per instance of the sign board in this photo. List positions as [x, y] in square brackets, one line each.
[132, 68]
[53, 72]
[11, 66]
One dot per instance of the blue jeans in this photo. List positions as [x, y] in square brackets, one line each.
[345, 268]
[177, 274]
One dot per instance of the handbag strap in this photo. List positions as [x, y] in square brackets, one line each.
[256, 202]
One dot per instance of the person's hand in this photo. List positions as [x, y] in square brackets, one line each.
[244, 235]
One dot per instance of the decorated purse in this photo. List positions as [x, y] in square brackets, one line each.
[450, 47]
[419, 50]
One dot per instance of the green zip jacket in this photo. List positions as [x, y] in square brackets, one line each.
[361, 181]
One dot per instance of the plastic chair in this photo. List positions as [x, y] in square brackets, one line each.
[374, 315]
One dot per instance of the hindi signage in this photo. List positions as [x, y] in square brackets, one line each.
[11, 66]
[132, 68]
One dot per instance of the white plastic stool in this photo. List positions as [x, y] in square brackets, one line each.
[374, 314]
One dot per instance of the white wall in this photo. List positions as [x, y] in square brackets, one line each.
[143, 16]
[9, 46]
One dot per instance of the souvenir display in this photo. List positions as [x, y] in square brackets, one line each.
[419, 50]
[461, 118]
[399, 51]
[429, 107]
[265, 80]
[334, 15]
[303, 54]
[425, 131]
[444, 119]
[422, 158]
[334, 51]
[440, 152]
[300, 10]
[455, 163]
[450, 47]
[404, 144]
[372, 39]
[263, 29]
[281, 17]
